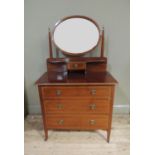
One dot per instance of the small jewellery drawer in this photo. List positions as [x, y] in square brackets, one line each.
[49, 92]
[77, 106]
[76, 66]
[77, 121]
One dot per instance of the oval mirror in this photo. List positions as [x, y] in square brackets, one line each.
[76, 35]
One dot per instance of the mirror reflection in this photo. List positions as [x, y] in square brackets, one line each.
[76, 35]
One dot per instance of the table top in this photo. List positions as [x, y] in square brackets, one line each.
[74, 78]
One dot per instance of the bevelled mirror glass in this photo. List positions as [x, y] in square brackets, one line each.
[76, 35]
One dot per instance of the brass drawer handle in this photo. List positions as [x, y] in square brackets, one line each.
[59, 106]
[93, 91]
[92, 122]
[61, 122]
[92, 106]
[75, 65]
[58, 92]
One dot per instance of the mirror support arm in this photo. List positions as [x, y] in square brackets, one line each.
[102, 42]
[50, 43]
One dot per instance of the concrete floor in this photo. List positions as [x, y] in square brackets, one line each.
[77, 142]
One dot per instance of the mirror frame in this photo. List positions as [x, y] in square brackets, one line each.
[76, 16]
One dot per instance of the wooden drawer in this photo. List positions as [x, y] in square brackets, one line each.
[76, 66]
[77, 122]
[50, 92]
[77, 106]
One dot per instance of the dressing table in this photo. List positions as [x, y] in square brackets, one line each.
[77, 91]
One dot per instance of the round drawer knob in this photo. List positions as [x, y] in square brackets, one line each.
[92, 122]
[61, 122]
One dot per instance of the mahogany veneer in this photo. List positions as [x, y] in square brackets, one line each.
[77, 92]
[77, 101]
[77, 122]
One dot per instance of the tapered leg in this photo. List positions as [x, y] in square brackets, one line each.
[46, 134]
[108, 135]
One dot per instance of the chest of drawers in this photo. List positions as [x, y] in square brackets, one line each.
[77, 105]
[77, 91]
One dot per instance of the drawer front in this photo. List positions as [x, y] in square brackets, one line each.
[50, 92]
[77, 106]
[76, 66]
[77, 122]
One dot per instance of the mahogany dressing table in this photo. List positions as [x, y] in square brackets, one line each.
[76, 92]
